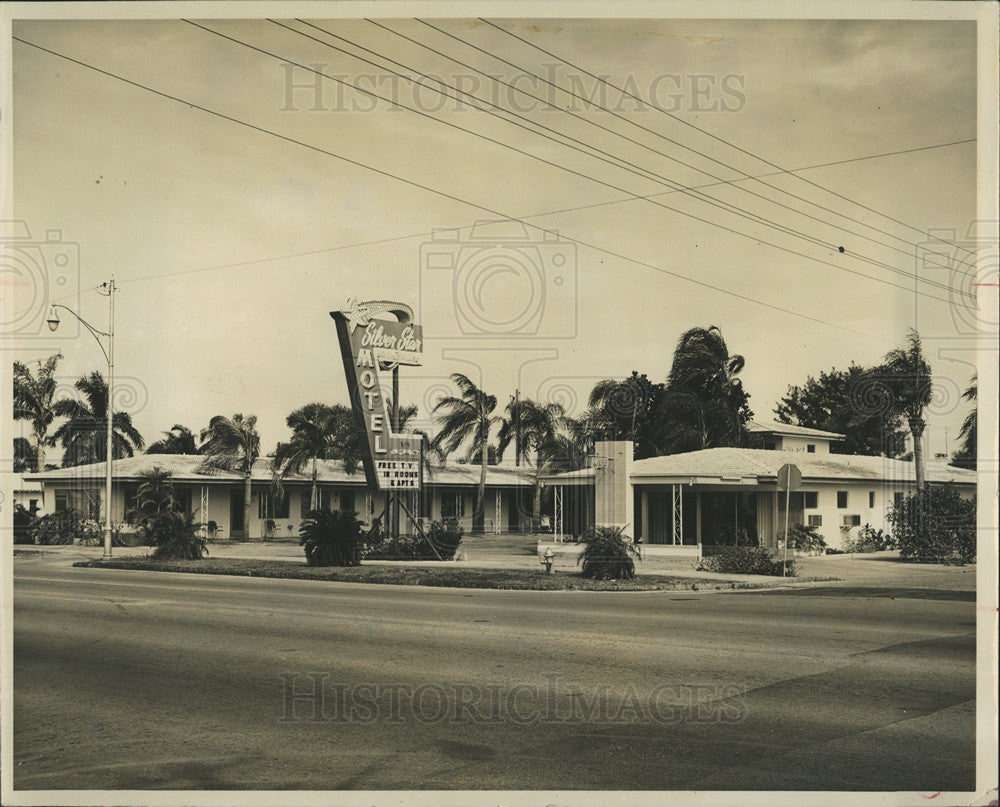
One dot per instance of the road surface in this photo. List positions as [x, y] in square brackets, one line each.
[140, 680]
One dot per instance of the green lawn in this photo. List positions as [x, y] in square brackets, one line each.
[449, 576]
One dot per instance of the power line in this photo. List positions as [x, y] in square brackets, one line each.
[659, 177]
[714, 137]
[445, 194]
[582, 175]
[423, 233]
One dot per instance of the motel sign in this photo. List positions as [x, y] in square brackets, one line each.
[368, 345]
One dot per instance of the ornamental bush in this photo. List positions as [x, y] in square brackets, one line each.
[805, 538]
[870, 539]
[65, 527]
[332, 538]
[748, 560]
[608, 554]
[444, 536]
[177, 538]
[935, 525]
[23, 519]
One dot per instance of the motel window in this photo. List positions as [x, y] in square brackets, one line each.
[347, 501]
[270, 506]
[452, 505]
[85, 503]
[305, 504]
[62, 500]
[897, 499]
[32, 505]
[816, 521]
[841, 499]
[183, 498]
[810, 448]
[812, 500]
[871, 499]
[852, 521]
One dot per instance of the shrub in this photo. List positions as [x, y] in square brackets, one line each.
[608, 554]
[935, 525]
[736, 536]
[444, 536]
[748, 560]
[65, 527]
[332, 538]
[870, 539]
[178, 538]
[23, 519]
[804, 538]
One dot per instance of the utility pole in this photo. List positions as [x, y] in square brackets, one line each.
[517, 428]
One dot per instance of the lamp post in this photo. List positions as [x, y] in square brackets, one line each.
[109, 354]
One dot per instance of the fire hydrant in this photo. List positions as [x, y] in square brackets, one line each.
[547, 558]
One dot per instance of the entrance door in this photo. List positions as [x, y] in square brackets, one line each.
[236, 526]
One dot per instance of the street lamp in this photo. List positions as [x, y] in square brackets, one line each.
[109, 354]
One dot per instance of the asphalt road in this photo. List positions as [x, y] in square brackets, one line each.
[162, 681]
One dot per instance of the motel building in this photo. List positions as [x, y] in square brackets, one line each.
[217, 496]
[684, 505]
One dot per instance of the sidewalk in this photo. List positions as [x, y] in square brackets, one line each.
[882, 569]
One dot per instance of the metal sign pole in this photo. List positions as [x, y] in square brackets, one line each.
[784, 557]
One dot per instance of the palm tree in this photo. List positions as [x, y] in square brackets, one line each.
[33, 402]
[966, 456]
[179, 440]
[704, 404]
[24, 456]
[233, 445]
[84, 434]
[314, 429]
[534, 426]
[908, 375]
[624, 410]
[570, 447]
[467, 420]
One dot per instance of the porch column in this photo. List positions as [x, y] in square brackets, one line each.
[204, 511]
[557, 512]
[736, 518]
[697, 515]
[647, 533]
[673, 514]
[496, 517]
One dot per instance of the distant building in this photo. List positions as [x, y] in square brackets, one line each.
[218, 496]
[678, 503]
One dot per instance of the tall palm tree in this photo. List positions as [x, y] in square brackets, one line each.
[704, 404]
[33, 402]
[84, 434]
[966, 456]
[179, 440]
[624, 410]
[314, 429]
[233, 445]
[25, 458]
[533, 425]
[908, 375]
[467, 420]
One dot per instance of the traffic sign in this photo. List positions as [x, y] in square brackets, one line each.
[789, 477]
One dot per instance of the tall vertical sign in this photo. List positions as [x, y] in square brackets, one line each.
[368, 346]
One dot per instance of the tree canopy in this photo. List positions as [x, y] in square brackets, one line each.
[846, 402]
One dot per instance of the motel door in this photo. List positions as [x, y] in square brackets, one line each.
[236, 526]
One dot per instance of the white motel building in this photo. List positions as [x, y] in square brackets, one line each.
[679, 503]
[217, 496]
[675, 504]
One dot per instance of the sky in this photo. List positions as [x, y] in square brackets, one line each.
[232, 235]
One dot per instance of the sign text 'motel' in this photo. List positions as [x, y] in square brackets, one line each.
[392, 461]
